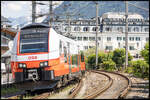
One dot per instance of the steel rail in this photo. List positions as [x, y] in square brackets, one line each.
[76, 89]
[94, 94]
[99, 91]
[42, 96]
[125, 91]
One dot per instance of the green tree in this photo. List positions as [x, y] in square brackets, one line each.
[119, 57]
[145, 52]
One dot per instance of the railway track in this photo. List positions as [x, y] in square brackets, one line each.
[121, 85]
[100, 91]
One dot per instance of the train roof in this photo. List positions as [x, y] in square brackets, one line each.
[35, 25]
[62, 37]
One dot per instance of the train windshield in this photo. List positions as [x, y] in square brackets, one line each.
[32, 41]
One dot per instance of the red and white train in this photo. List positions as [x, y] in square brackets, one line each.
[40, 54]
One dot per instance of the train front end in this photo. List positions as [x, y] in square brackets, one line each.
[30, 54]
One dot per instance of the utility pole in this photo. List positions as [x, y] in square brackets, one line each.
[126, 34]
[50, 13]
[33, 11]
[96, 33]
[67, 14]
[69, 29]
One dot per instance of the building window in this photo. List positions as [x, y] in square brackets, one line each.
[137, 44]
[129, 29]
[119, 44]
[85, 38]
[146, 29]
[67, 28]
[108, 38]
[56, 28]
[91, 46]
[94, 29]
[86, 29]
[131, 47]
[108, 48]
[4, 40]
[73, 37]
[131, 38]
[136, 29]
[147, 38]
[77, 29]
[92, 38]
[124, 38]
[85, 47]
[7, 35]
[108, 29]
[99, 38]
[120, 29]
[80, 38]
[137, 38]
[119, 38]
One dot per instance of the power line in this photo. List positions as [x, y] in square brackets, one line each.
[139, 7]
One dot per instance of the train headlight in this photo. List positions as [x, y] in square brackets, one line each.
[21, 65]
[41, 64]
[24, 65]
[44, 64]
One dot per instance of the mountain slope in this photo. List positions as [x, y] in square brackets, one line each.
[87, 8]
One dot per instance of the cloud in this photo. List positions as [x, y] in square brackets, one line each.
[25, 2]
[14, 7]
[23, 8]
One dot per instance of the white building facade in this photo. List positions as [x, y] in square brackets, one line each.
[111, 34]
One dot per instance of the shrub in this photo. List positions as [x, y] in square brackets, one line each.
[102, 57]
[109, 65]
[145, 52]
[119, 57]
[139, 68]
[91, 60]
[129, 70]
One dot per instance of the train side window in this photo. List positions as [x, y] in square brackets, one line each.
[68, 44]
[82, 57]
[79, 59]
[65, 54]
[74, 59]
[60, 47]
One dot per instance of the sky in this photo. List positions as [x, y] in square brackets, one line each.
[16, 9]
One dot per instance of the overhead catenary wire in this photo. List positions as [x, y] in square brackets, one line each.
[138, 7]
